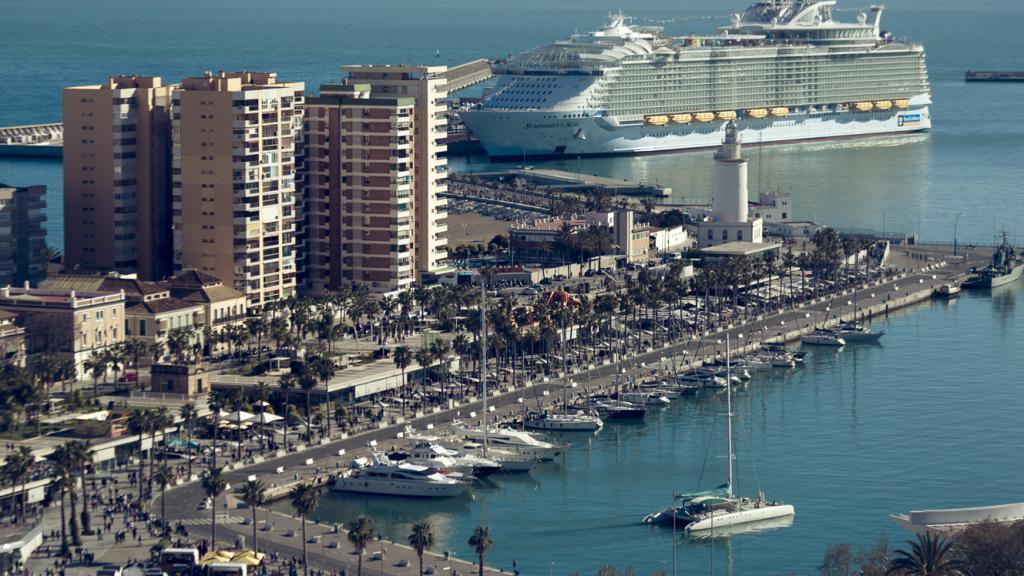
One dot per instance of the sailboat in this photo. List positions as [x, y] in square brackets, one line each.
[720, 507]
[823, 336]
[566, 420]
[519, 447]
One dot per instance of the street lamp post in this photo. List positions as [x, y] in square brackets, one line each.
[956, 225]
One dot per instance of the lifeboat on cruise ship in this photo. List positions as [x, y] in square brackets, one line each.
[704, 116]
[781, 111]
[757, 113]
[863, 106]
[681, 118]
[656, 120]
[727, 115]
[902, 103]
[883, 105]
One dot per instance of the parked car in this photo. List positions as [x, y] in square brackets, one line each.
[130, 377]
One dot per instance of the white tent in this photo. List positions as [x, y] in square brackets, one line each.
[267, 418]
[237, 417]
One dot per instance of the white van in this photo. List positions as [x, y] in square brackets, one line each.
[227, 569]
[178, 560]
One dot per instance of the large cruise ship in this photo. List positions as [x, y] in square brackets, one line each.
[784, 70]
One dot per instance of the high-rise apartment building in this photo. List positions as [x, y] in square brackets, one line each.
[358, 190]
[116, 166]
[233, 180]
[22, 237]
[429, 89]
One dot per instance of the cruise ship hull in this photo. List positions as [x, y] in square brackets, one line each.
[543, 134]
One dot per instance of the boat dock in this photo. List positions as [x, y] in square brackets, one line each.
[33, 140]
[538, 190]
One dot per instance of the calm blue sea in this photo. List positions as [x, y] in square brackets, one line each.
[928, 419]
[969, 164]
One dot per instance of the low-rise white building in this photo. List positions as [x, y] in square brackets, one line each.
[670, 239]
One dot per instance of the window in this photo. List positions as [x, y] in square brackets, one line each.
[725, 234]
[142, 327]
[99, 314]
[739, 234]
[711, 234]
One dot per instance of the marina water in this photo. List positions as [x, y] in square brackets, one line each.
[924, 420]
[928, 419]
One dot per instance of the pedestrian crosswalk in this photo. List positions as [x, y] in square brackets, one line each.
[206, 521]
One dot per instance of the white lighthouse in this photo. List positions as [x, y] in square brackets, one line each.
[730, 200]
[729, 218]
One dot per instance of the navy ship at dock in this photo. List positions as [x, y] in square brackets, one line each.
[1006, 267]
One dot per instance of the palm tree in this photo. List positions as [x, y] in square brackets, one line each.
[324, 369]
[423, 358]
[214, 485]
[80, 456]
[306, 382]
[215, 404]
[254, 494]
[304, 499]
[286, 383]
[189, 415]
[257, 326]
[481, 543]
[65, 480]
[402, 357]
[361, 533]
[96, 366]
[160, 420]
[163, 476]
[116, 358]
[929, 556]
[139, 423]
[17, 466]
[136, 349]
[421, 538]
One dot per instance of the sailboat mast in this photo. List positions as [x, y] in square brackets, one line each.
[728, 396]
[565, 370]
[483, 356]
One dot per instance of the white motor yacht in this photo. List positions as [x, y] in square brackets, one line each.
[511, 462]
[443, 459]
[401, 479]
[578, 421]
[702, 379]
[644, 398]
[524, 443]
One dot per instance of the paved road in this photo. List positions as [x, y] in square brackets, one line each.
[325, 458]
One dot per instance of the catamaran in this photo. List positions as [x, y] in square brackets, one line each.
[719, 507]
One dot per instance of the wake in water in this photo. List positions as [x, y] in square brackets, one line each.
[854, 144]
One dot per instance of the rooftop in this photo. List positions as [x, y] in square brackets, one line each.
[55, 298]
[739, 248]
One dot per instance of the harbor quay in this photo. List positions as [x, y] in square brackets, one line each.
[917, 271]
